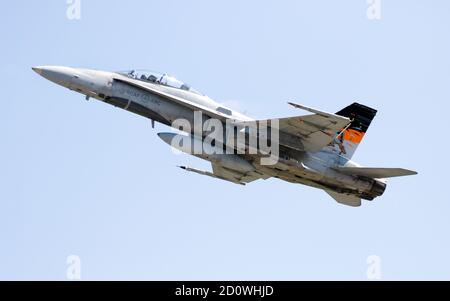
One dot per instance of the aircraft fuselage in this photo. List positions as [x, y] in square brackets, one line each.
[165, 104]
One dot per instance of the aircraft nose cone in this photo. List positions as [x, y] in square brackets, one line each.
[57, 74]
[38, 70]
[50, 71]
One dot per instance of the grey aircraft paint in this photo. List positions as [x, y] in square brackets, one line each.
[309, 152]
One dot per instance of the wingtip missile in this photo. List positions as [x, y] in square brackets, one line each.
[209, 174]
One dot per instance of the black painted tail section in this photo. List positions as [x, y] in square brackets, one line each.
[360, 115]
[347, 142]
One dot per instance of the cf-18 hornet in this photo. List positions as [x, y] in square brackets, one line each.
[313, 149]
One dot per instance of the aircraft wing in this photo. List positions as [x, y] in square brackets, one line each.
[345, 199]
[313, 132]
[234, 176]
[376, 172]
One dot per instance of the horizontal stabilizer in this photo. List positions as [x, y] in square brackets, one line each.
[375, 172]
[345, 199]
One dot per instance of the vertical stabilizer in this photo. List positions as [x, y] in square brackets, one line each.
[347, 142]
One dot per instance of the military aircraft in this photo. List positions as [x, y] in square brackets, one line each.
[313, 149]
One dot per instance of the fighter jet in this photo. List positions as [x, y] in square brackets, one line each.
[313, 149]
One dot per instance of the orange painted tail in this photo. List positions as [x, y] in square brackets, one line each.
[346, 143]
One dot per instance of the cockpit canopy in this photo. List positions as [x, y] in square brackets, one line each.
[159, 78]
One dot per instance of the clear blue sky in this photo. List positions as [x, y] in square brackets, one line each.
[88, 179]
